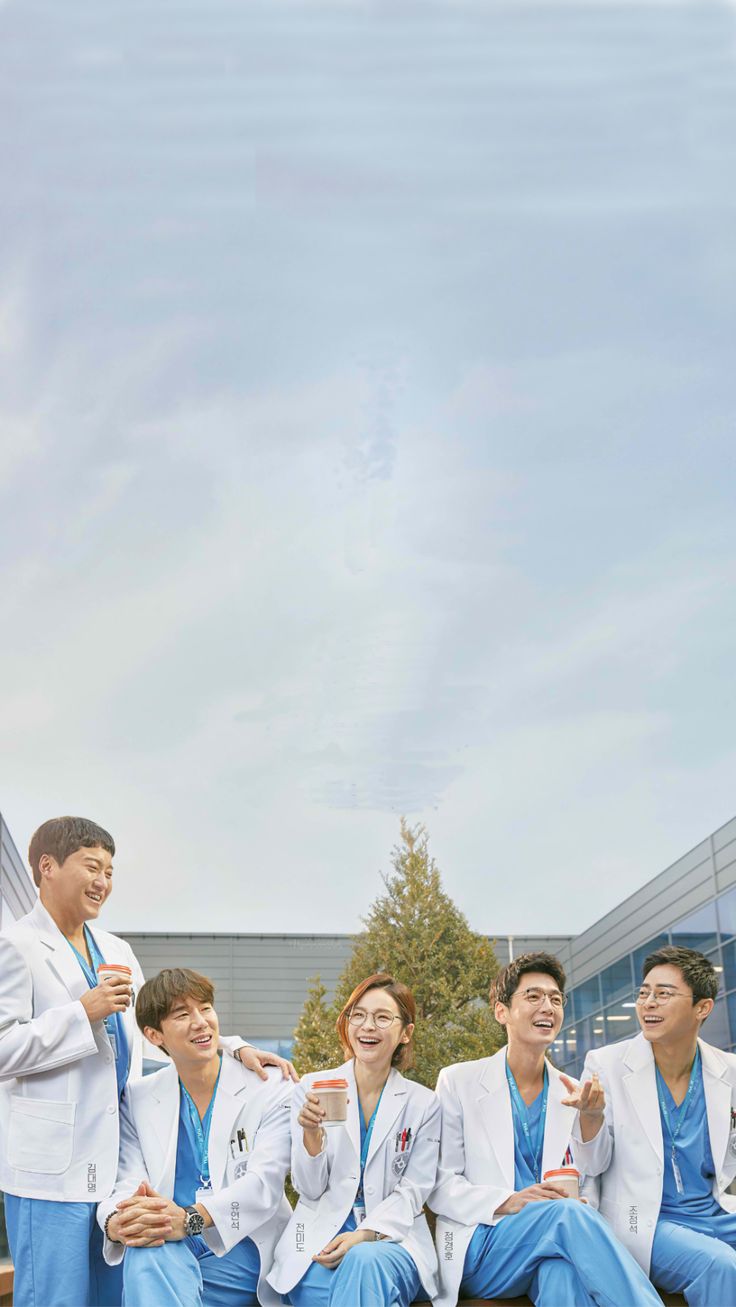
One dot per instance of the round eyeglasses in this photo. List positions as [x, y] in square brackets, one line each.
[381, 1019]
[537, 996]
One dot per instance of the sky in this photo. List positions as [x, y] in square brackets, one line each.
[367, 448]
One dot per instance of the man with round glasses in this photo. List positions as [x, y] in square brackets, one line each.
[671, 1134]
[506, 1227]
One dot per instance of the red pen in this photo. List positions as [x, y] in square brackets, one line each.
[403, 1140]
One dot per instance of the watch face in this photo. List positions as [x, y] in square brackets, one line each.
[194, 1223]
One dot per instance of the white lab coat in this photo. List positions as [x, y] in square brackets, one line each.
[395, 1185]
[476, 1171]
[247, 1173]
[630, 1188]
[59, 1095]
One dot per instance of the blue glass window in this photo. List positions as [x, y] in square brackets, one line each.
[729, 965]
[641, 953]
[727, 912]
[586, 997]
[617, 980]
[699, 930]
[621, 1022]
[716, 1028]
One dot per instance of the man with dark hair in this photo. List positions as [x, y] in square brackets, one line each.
[506, 1227]
[68, 1045]
[671, 1134]
[198, 1204]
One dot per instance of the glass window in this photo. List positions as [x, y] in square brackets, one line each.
[727, 912]
[617, 980]
[729, 965]
[585, 998]
[584, 1040]
[621, 1022]
[716, 1028]
[640, 954]
[699, 930]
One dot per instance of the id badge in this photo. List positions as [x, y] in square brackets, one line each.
[113, 1044]
[359, 1214]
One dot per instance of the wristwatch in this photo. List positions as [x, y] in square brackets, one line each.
[193, 1222]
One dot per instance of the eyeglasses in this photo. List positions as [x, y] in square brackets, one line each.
[660, 995]
[381, 1019]
[536, 996]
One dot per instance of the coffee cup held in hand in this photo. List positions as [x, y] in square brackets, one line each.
[333, 1097]
[107, 970]
[567, 1178]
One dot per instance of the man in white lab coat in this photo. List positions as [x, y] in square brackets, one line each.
[505, 1226]
[198, 1203]
[671, 1134]
[68, 1045]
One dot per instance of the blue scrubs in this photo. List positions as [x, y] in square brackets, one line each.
[185, 1272]
[37, 1228]
[380, 1274]
[558, 1251]
[694, 1249]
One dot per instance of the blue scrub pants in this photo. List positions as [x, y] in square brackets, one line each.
[697, 1259]
[57, 1254]
[561, 1253]
[185, 1273]
[380, 1274]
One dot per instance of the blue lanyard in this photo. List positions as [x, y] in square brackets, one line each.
[365, 1142]
[521, 1112]
[201, 1128]
[682, 1112]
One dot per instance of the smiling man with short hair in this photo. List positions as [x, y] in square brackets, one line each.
[503, 1229]
[68, 1046]
[671, 1134]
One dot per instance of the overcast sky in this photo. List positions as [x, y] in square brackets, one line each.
[367, 448]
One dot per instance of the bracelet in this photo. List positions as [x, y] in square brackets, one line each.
[108, 1219]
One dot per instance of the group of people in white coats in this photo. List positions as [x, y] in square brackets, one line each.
[169, 1189]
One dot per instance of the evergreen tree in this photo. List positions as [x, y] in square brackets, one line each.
[415, 932]
[316, 1043]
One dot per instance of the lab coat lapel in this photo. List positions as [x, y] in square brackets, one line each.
[717, 1089]
[61, 958]
[352, 1124]
[641, 1086]
[494, 1109]
[393, 1100]
[559, 1123]
[165, 1096]
[230, 1100]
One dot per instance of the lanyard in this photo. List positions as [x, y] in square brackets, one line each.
[201, 1130]
[682, 1112]
[521, 1113]
[365, 1142]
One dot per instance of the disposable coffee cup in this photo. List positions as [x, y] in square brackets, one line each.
[333, 1097]
[108, 969]
[567, 1178]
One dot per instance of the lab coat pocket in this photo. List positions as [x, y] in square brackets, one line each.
[40, 1135]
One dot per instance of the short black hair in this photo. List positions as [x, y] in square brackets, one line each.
[698, 972]
[507, 981]
[62, 836]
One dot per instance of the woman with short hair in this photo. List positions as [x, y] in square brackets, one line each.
[358, 1233]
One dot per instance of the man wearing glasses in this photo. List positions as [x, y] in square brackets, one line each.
[506, 1227]
[671, 1134]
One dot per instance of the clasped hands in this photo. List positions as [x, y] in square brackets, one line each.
[147, 1220]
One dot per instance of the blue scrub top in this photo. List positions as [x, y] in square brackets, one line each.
[114, 1023]
[694, 1156]
[192, 1148]
[525, 1172]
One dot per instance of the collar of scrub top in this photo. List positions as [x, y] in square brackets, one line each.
[496, 1117]
[641, 1085]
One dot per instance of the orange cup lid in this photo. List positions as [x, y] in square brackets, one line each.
[114, 966]
[562, 1170]
[329, 1084]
